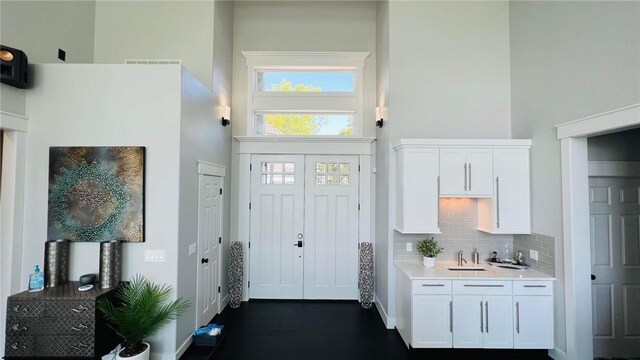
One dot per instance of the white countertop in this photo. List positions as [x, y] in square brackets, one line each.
[414, 270]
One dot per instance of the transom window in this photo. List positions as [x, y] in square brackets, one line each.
[305, 94]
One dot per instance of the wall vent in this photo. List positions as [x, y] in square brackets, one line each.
[153, 62]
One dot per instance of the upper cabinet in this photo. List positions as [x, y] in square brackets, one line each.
[466, 172]
[494, 171]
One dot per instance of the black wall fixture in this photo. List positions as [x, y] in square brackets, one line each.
[13, 67]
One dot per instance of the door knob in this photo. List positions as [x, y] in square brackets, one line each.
[593, 277]
[298, 244]
[204, 261]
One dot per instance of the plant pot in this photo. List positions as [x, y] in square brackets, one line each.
[429, 261]
[142, 356]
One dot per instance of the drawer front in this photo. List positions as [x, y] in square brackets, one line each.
[433, 287]
[64, 346]
[66, 309]
[24, 326]
[23, 346]
[23, 308]
[533, 288]
[482, 287]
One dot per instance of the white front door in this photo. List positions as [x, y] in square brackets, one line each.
[331, 227]
[209, 232]
[615, 263]
[277, 215]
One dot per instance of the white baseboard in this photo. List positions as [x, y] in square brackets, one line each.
[557, 354]
[389, 323]
[185, 345]
[224, 302]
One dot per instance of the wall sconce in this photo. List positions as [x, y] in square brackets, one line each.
[379, 120]
[226, 116]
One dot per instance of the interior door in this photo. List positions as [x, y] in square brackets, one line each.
[331, 227]
[277, 208]
[209, 232]
[615, 262]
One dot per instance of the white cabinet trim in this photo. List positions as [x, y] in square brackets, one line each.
[467, 143]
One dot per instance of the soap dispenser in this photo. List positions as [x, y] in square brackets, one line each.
[36, 280]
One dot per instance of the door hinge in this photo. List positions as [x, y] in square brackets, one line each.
[249, 244]
[249, 206]
[250, 167]
[358, 168]
[220, 191]
[249, 284]
[358, 207]
[220, 240]
[218, 289]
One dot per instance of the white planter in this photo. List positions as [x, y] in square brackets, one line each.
[142, 356]
[429, 261]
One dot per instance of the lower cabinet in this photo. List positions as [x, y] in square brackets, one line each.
[435, 325]
[482, 321]
[475, 313]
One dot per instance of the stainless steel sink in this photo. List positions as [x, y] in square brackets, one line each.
[466, 268]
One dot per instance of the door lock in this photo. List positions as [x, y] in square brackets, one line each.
[298, 244]
[204, 261]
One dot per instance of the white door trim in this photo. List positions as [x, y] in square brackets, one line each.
[207, 168]
[575, 210]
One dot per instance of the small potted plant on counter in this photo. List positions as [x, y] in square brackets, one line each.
[139, 313]
[429, 249]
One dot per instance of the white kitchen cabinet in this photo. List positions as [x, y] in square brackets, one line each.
[482, 314]
[417, 190]
[466, 172]
[432, 327]
[508, 211]
[533, 315]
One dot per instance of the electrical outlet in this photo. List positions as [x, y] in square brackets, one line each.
[192, 249]
[533, 254]
[154, 256]
[409, 247]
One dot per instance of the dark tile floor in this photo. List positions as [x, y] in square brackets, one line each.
[307, 330]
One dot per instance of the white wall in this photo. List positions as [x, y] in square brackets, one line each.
[383, 247]
[449, 66]
[109, 105]
[157, 30]
[203, 138]
[568, 60]
[620, 146]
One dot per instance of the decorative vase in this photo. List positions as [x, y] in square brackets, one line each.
[235, 274]
[56, 262]
[429, 261]
[110, 263]
[142, 356]
[365, 280]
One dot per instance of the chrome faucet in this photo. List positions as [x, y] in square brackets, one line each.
[460, 258]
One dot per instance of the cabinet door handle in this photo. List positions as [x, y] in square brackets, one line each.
[438, 200]
[535, 286]
[481, 319]
[481, 285]
[486, 309]
[465, 176]
[469, 176]
[497, 202]
[451, 317]
[432, 284]
[517, 317]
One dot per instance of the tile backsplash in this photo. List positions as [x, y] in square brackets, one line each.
[458, 223]
[544, 245]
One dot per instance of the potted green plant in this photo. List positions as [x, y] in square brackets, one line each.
[140, 311]
[429, 249]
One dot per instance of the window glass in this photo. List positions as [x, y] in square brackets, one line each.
[305, 81]
[304, 124]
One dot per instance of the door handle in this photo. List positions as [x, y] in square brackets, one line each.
[298, 244]
[593, 277]
[204, 261]
[465, 176]
[497, 202]
[486, 310]
[481, 318]
[469, 176]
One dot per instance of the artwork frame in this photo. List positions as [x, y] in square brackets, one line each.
[96, 193]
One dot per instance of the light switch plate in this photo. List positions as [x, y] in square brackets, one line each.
[154, 255]
[409, 247]
[192, 249]
[533, 254]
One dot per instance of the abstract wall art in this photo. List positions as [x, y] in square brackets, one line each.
[96, 193]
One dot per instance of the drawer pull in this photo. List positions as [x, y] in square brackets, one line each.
[80, 309]
[16, 327]
[16, 346]
[79, 346]
[16, 308]
[432, 284]
[79, 328]
[535, 286]
[495, 286]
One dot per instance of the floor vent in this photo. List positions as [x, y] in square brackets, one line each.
[153, 62]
